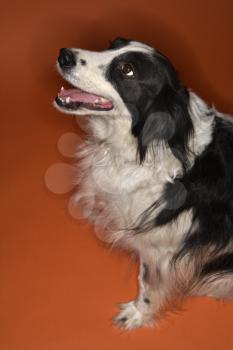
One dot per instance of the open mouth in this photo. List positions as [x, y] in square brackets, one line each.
[73, 99]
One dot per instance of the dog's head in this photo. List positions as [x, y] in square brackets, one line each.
[128, 80]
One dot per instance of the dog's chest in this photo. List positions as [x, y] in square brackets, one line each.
[115, 187]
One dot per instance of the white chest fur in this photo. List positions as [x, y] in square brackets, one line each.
[114, 189]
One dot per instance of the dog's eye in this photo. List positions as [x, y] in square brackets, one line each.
[127, 69]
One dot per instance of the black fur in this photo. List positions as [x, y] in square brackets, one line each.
[157, 101]
[118, 43]
[207, 189]
[209, 192]
[220, 265]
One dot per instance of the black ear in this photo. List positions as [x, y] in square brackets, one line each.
[118, 43]
[167, 120]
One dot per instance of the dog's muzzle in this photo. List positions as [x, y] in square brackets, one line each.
[74, 98]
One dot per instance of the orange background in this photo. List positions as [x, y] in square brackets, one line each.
[59, 284]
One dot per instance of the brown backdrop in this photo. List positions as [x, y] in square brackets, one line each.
[59, 284]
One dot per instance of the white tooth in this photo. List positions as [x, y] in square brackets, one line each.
[97, 100]
[62, 88]
[67, 99]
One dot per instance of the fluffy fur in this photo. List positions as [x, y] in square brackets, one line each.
[155, 175]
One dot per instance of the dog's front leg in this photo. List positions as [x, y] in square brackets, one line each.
[151, 299]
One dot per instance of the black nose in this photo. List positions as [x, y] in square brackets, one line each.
[66, 58]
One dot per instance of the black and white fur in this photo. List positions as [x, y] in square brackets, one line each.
[156, 172]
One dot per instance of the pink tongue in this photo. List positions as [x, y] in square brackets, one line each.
[77, 95]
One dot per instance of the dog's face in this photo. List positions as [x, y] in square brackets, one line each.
[105, 82]
[128, 80]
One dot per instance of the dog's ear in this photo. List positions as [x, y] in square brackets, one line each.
[167, 120]
[118, 43]
[164, 115]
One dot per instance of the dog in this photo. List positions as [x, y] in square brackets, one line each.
[155, 172]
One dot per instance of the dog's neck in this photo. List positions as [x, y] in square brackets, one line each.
[115, 132]
[111, 172]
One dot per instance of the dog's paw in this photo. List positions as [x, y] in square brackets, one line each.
[131, 317]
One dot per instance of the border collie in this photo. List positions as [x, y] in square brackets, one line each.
[155, 173]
